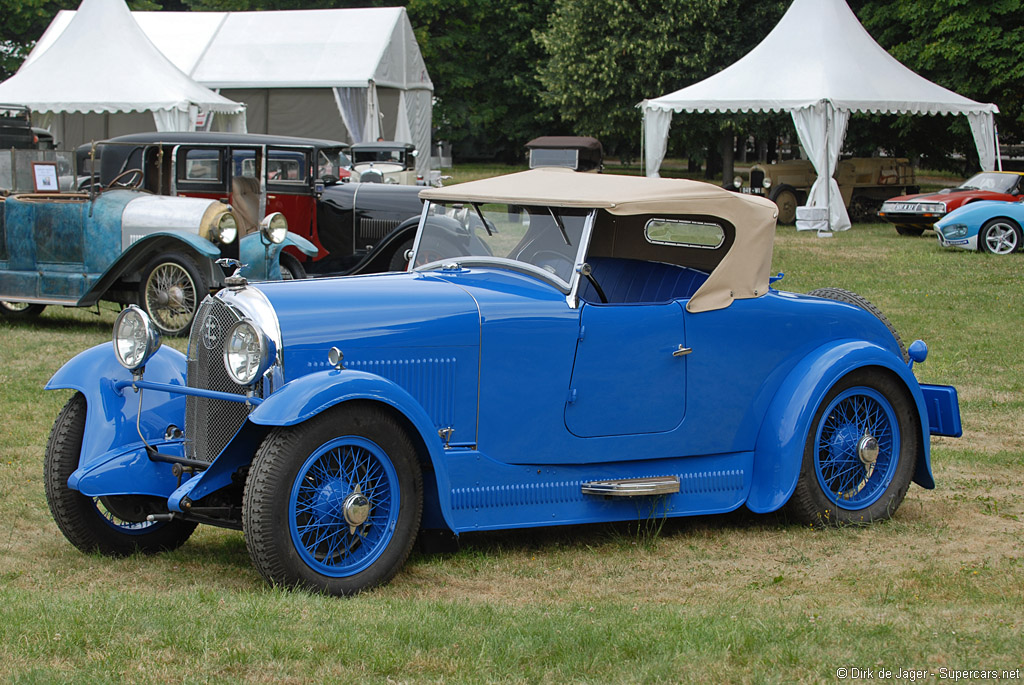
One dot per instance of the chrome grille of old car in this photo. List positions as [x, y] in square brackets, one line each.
[210, 423]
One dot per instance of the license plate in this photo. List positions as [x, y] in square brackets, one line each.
[903, 207]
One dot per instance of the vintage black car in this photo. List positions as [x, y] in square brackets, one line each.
[581, 153]
[16, 128]
[357, 228]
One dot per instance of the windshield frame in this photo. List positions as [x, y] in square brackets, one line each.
[568, 288]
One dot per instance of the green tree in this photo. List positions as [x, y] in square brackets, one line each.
[973, 48]
[482, 57]
[605, 56]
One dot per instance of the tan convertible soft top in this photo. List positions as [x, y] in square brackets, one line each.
[743, 273]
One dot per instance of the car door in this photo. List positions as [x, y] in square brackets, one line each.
[289, 190]
[629, 375]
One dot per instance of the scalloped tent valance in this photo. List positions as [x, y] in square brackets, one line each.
[821, 65]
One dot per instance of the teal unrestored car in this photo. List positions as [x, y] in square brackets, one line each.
[131, 247]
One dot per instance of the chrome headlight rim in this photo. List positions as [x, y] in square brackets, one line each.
[136, 338]
[737, 182]
[225, 230]
[248, 352]
[274, 228]
[766, 183]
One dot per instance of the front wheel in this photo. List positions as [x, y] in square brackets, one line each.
[291, 268]
[787, 202]
[334, 504]
[171, 289]
[114, 525]
[999, 236]
[21, 310]
[860, 452]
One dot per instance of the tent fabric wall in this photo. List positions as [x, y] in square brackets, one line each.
[819, 54]
[822, 129]
[343, 68]
[68, 77]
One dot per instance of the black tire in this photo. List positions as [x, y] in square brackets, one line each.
[905, 229]
[170, 291]
[115, 526]
[398, 260]
[291, 268]
[787, 201]
[846, 478]
[999, 236]
[304, 523]
[840, 295]
[20, 310]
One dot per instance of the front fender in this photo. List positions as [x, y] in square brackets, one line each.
[309, 395]
[783, 435]
[263, 262]
[111, 415]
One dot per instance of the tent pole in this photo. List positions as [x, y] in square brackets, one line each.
[999, 156]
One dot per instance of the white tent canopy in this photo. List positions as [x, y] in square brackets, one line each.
[344, 74]
[820, 65]
[103, 64]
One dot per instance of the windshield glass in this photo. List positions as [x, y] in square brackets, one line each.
[330, 162]
[541, 239]
[996, 182]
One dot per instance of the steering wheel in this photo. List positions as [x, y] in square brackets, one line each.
[134, 183]
[556, 262]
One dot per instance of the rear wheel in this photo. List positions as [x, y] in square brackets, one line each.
[999, 236]
[115, 525]
[20, 310]
[171, 289]
[334, 504]
[840, 295]
[860, 452]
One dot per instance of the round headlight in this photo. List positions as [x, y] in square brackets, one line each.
[226, 229]
[136, 339]
[767, 182]
[248, 353]
[737, 182]
[274, 228]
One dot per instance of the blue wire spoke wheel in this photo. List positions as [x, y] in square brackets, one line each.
[108, 510]
[334, 504]
[860, 452]
[858, 448]
[343, 507]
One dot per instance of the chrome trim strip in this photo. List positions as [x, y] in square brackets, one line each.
[632, 487]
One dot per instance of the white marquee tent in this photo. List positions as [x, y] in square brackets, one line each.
[820, 65]
[90, 85]
[344, 74]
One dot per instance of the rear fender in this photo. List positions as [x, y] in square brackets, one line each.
[111, 445]
[783, 435]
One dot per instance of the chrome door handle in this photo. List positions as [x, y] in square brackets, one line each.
[682, 351]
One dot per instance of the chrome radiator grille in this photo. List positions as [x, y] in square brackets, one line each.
[210, 424]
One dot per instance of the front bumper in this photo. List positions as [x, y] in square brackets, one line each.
[919, 220]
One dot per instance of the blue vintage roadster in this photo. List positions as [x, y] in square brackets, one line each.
[565, 348]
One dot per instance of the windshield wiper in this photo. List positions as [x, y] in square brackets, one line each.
[482, 219]
[561, 227]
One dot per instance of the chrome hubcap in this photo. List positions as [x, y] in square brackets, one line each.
[1001, 239]
[356, 509]
[867, 450]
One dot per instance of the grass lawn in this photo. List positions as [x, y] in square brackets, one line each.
[734, 598]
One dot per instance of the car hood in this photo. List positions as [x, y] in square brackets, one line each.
[364, 315]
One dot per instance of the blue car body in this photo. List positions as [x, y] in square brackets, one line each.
[528, 397]
[987, 225]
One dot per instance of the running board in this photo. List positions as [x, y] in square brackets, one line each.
[632, 487]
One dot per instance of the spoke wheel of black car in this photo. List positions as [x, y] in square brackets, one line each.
[904, 229]
[115, 526]
[840, 295]
[21, 310]
[398, 260]
[291, 268]
[860, 452]
[334, 504]
[171, 289]
[787, 202]
[999, 236]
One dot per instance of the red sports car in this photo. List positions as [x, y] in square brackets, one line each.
[912, 214]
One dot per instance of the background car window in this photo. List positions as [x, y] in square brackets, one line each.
[243, 163]
[201, 165]
[288, 166]
[684, 233]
